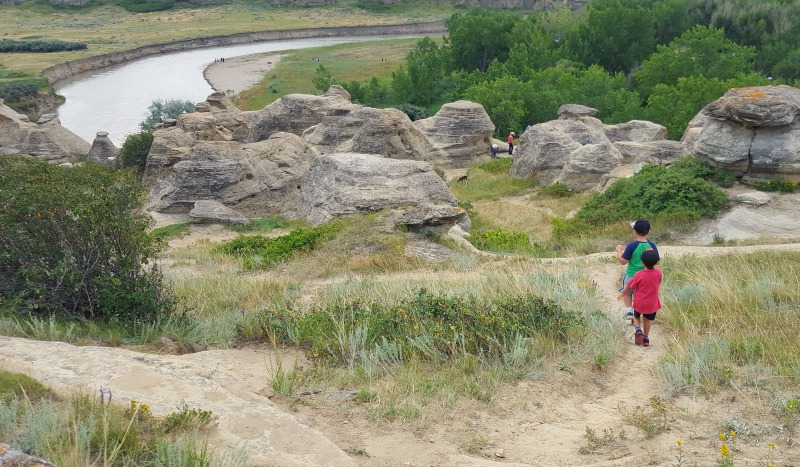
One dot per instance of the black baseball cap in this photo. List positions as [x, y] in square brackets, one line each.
[641, 226]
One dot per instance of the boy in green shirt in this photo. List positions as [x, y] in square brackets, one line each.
[632, 256]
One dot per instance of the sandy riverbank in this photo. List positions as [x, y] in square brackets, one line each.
[239, 73]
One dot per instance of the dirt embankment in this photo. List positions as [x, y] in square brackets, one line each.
[64, 70]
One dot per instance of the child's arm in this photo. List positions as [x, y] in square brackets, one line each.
[620, 251]
[626, 290]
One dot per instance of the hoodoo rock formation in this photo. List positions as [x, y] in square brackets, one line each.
[46, 138]
[462, 129]
[580, 151]
[752, 132]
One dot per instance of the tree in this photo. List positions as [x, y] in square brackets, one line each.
[134, 150]
[73, 243]
[700, 51]
[418, 83]
[160, 110]
[478, 37]
[322, 79]
[617, 35]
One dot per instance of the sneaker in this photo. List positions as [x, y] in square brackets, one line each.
[628, 315]
[638, 337]
[645, 341]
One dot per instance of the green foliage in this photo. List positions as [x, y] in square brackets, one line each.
[781, 186]
[258, 251]
[322, 78]
[480, 36]
[39, 45]
[187, 419]
[18, 385]
[170, 231]
[557, 190]
[679, 191]
[134, 150]
[701, 51]
[414, 112]
[418, 82]
[146, 6]
[500, 165]
[430, 326]
[500, 240]
[263, 224]
[160, 110]
[73, 243]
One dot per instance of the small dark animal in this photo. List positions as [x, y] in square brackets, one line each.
[462, 178]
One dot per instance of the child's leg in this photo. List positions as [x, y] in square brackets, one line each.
[646, 325]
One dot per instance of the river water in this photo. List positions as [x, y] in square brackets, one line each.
[115, 99]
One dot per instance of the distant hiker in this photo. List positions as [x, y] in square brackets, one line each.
[645, 301]
[631, 255]
[493, 150]
[511, 143]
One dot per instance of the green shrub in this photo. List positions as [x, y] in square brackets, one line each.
[160, 109]
[170, 231]
[16, 90]
[73, 243]
[134, 150]
[500, 165]
[39, 45]
[414, 112]
[500, 240]
[680, 191]
[264, 224]
[557, 190]
[781, 186]
[146, 6]
[433, 327]
[259, 251]
[21, 386]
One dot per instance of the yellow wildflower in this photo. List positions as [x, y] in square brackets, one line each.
[733, 435]
[771, 445]
[452, 328]
[724, 450]
[678, 442]
[416, 326]
[722, 437]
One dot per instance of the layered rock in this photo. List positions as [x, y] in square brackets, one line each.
[584, 154]
[462, 129]
[256, 179]
[750, 131]
[46, 138]
[103, 150]
[347, 183]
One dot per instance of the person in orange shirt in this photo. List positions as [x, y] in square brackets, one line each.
[511, 143]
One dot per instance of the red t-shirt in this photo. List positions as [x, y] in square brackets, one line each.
[645, 285]
[510, 139]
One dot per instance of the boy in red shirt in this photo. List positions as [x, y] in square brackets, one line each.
[645, 300]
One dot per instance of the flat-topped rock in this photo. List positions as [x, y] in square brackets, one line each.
[462, 129]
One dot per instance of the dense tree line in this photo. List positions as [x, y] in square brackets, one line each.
[660, 60]
[39, 45]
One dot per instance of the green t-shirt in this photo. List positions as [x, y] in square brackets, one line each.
[633, 253]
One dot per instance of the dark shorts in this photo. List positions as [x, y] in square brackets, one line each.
[650, 317]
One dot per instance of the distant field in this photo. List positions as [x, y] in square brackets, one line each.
[346, 62]
[107, 28]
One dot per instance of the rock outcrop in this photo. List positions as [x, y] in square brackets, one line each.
[213, 211]
[46, 138]
[752, 132]
[103, 150]
[462, 129]
[256, 179]
[584, 154]
[346, 183]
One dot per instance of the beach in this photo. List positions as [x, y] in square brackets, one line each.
[239, 73]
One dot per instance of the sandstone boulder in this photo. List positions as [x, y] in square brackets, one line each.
[215, 212]
[347, 183]
[462, 129]
[47, 139]
[365, 130]
[103, 150]
[752, 132]
[256, 179]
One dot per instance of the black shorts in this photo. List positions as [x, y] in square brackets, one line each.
[651, 316]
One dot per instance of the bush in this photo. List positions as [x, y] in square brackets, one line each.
[501, 165]
[680, 191]
[781, 186]
[556, 190]
[16, 90]
[134, 150]
[414, 112]
[39, 45]
[259, 251]
[146, 6]
[434, 327]
[500, 240]
[73, 243]
[162, 109]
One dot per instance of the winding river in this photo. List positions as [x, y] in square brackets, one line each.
[115, 99]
